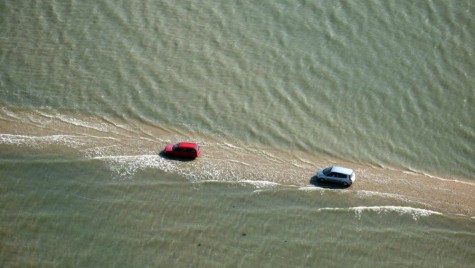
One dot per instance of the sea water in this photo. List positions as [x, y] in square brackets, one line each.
[92, 91]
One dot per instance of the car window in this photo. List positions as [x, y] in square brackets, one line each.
[327, 171]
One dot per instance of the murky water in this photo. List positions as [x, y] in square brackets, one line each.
[91, 92]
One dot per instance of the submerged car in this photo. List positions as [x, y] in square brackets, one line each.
[182, 150]
[340, 175]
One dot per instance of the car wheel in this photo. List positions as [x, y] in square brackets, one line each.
[345, 184]
[321, 180]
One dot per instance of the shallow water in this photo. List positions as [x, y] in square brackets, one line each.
[91, 92]
[86, 218]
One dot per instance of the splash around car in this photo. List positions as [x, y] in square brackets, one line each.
[339, 175]
[182, 150]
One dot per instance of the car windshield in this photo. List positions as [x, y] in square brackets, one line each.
[327, 171]
[175, 147]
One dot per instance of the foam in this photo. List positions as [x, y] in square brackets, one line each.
[313, 188]
[10, 114]
[261, 184]
[240, 162]
[125, 166]
[231, 146]
[414, 212]
[270, 156]
[297, 165]
[40, 141]
[103, 127]
[364, 193]
[310, 188]
[73, 121]
[213, 181]
[306, 161]
[438, 178]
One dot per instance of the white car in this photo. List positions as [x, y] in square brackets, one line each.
[340, 175]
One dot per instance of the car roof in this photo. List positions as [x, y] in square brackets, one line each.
[187, 145]
[342, 170]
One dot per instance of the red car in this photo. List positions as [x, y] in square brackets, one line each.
[183, 150]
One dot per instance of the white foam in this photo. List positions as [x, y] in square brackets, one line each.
[239, 162]
[297, 165]
[213, 181]
[310, 188]
[80, 123]
[261, 184]
[438, 178]
[319, 189]
[73, 121]
[414, 212]
[399, 197]
[10, 113]
[231, 146]
[40, 141]
[125, 166]
[364, 193]
[306, 161]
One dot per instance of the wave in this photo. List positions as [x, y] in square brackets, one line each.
[240, 162]
[256, 184]
[261, 184]
[39, 141]
[77, 122]
[416, 213]
[231, 145]
[437, 178]
[365, 193]
[71, 141]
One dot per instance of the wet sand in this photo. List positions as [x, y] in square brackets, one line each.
[133, 146]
